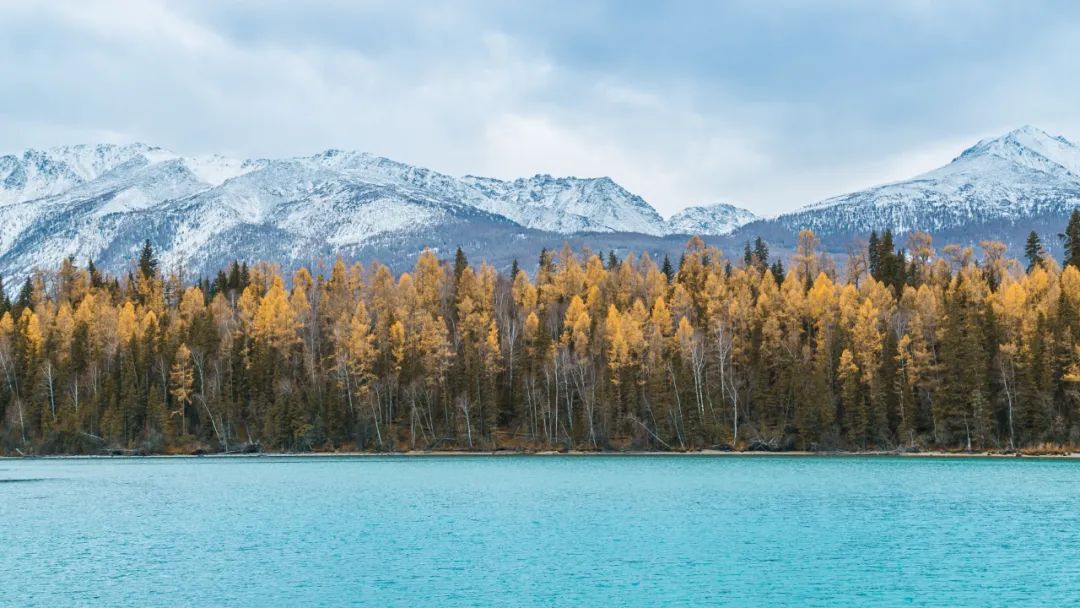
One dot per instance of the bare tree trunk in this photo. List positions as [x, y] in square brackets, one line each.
[677, 414]
[52, 392]
[348, 389]
[375, 414]
[1009, 400]
[213, 422]
[22, 421]
[555, 366]
[589, 402]
[465, 406]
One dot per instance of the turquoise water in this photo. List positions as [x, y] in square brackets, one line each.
[540, 531]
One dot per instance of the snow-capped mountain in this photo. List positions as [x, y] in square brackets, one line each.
[40, 173]
[101, 201]
[568, 204]
[1013, 183]
[718, 219]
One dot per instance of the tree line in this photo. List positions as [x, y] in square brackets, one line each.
[887, 349]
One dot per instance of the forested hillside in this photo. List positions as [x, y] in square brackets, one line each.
[887, 349]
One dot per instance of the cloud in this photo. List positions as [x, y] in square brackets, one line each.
[685, 103]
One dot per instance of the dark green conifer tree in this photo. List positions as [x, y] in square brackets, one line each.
[1070, 239]
[148, 263]
[963, 411]
[1033, 250]
[235, 283]
[873, 252]
[26, 296]
[220, 285]
[778, 272]
[761, 252]
[95, 276]
[460, 264]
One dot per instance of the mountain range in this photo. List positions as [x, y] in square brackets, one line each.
[1000, 188]
[102, 201]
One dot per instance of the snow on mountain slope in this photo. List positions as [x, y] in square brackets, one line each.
[568, 204]
[1033, 148]
[98, 200]
[718, 219]
[40, 173]
[215, 169]
[1022, 174]
[103, 203]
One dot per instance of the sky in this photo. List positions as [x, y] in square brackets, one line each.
[768, 105]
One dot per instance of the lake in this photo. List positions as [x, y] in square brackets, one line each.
[540, 531]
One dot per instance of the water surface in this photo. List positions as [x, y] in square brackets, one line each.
[540, 531]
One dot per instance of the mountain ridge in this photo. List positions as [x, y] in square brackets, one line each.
[100, 201]
[989, 190]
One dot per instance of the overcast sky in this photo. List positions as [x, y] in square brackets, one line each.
[767, 105]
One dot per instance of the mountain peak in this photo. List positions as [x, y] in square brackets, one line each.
[36, 173]
[1027, 136]
[1028, 131]
[1028, 147]
[568, 204]
[1025, 174]
[714, 219]
[1035, 138]
[101, 200]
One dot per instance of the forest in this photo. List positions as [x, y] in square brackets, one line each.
[887, 349]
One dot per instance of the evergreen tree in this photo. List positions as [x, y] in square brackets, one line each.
[761, 252]
[887, 264]
[148, 263]
[1071, 240]
[777, 270]
[1033, 250]
[235, 283]
[668, 271]
[546, 264]
[963, 409]
[95, 276]
[26, 296]
[873, 254]
[886, 259]
[220, 285]
[460, 264]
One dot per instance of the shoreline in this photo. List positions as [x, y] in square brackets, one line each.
[553, 453]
